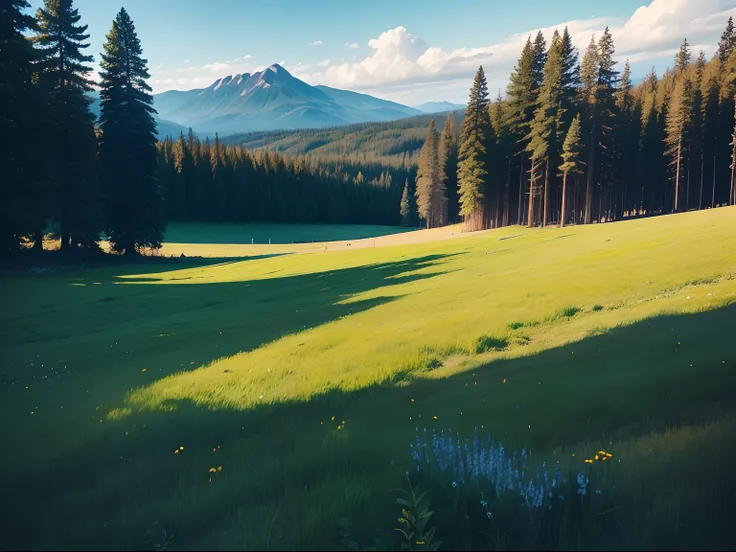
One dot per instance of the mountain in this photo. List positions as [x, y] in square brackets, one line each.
[269, 100]
[163, 128]
[439, 107]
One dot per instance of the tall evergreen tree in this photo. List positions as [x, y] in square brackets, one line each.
[679, 120]
[448, 162]
[128, 157]
[589, 99]
[472, 170]
[605, 104]
[405, 207]
[72, 142]
[430, 180]
[521, 93]
[683, 56]
[20, 194]
[728, 41]
[571, 160]
[547, 123]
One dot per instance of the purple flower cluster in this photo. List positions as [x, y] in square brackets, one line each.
[488, 463]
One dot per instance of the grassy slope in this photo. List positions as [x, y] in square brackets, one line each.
[107, 371]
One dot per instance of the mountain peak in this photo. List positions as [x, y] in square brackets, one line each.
[276, 68]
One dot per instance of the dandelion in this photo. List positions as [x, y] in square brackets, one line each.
[144, 369]
[333, 418]
[181, 448]
[435, 417]
[176, 451]
[219, 468]
[596, 457]
[412, 400]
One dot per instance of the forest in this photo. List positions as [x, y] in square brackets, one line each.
[576, 142]
[572, 141]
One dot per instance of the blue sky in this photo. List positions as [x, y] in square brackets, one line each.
[408, 51]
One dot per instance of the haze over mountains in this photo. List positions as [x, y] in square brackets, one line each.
[273, 99]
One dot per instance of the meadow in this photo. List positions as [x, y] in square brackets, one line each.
[268, 401]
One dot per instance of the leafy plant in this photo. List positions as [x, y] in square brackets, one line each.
[415, 517]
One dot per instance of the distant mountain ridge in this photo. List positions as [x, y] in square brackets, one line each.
[439, 107]
[272, 99]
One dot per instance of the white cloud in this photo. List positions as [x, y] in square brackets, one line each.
[316, 43]
[402, 63]
[403, 67]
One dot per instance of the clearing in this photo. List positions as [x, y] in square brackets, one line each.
[253, 402]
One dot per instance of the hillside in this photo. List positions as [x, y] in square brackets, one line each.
[396, 141]
[199, 393]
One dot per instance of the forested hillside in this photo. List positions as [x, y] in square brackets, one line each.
[395, 143]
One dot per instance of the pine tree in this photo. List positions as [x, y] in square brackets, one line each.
[679, 119]
[128, 158]
[682, 57]
[430, 179]
[504, 148]
[522, 92]
[589, 99]
[571, 160]
[472, 170]
[539, 58]
[448, 162]
[20, 194]
[72, 141]
[547, 122]
[405, 210]
[605, 104]
[728, 41]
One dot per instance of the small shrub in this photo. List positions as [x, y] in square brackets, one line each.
[487, 343]
[565, 312]
[523, 324]
[597, 308]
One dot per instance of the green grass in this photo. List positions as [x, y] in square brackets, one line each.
[261, 233]
[304, 377]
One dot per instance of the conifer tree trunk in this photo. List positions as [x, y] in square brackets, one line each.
[713, 189]
[546, 195]
[589, 180]
[700, 195]
[564, 196]
[519, 219]
[677, 177]
[530, 219]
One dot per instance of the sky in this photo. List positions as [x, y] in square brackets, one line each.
[410, 51]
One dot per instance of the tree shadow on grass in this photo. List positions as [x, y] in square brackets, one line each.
[654, 374]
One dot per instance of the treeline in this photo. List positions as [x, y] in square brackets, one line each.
[63, 169]
[575, 142]
[208, 181]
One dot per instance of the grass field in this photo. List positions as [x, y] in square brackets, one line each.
[304, 376]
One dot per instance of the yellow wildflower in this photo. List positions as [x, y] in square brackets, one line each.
[596, 457]
[144, 369]
[219, 468]
[181, 448]
[435, 417]
[333, 418]
[213, 470]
